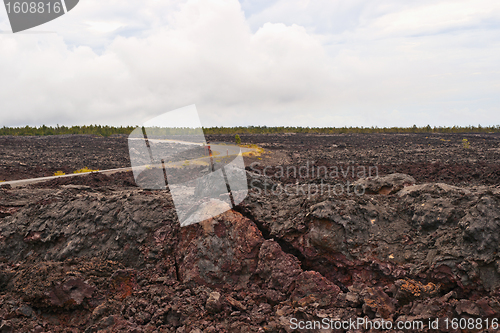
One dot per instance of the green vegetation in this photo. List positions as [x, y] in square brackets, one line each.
[250, 145]
[85, 170]
[341, 130]
[237, 139]
[108, 130]
[465, 143]
[59, 130]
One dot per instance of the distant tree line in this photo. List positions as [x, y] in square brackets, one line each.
[60, 130]
[110, 130]
[341, 130]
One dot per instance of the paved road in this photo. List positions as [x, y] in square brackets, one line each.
[217, 150]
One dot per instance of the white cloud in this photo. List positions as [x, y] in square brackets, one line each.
[438, 17]
[104, 26]
[379, 63]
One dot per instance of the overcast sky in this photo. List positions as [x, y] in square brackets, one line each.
[262, 62]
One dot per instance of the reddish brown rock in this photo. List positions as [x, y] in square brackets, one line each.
[422, 235]
[214, 302]
[236, 304]
[70, 293]
[312, 287]
[465, 306]
[486, 309]
[278, 269]
[378, 302]
[222, 251]
[122, 283]
[409, 290]
[49, 284]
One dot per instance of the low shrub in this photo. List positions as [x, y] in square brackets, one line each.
[85, 170]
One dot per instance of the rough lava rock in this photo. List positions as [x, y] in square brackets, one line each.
[102, 255]
[384, 185]
[219, 251]
[278, 269]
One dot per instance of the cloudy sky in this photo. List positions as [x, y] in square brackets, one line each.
[257, 62]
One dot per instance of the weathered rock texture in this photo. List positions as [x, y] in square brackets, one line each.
[102, 255]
